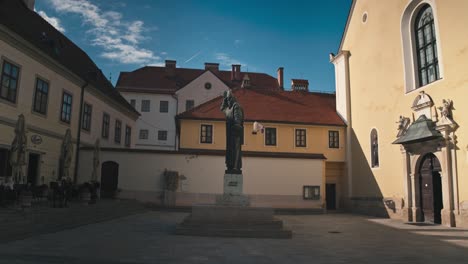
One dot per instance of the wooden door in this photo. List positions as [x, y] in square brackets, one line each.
[331, 196]
[430, 189]
[109, 179]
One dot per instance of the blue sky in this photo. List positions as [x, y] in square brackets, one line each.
[261, 35]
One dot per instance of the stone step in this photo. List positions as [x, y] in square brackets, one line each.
[234, 232]
[274, 224]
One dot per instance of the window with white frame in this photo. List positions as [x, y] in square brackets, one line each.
[426, 47]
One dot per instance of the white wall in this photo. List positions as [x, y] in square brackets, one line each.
[268, 181]
[154, 120]
[341, 86]
[196, 90]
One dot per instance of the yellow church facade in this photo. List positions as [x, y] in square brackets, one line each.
[401, 89]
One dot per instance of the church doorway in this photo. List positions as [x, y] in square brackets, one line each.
[430, 188]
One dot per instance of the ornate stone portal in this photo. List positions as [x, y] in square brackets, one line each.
[427, 135]
[232, 216]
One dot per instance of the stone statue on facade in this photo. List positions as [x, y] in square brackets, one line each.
[446, 109]
[403, 124]
[66, 155]
[18, 150]
[234, 132]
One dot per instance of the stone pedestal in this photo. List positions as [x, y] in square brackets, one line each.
[232, 216]
[232, 195]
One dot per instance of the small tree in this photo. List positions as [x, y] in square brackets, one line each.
[171, 180]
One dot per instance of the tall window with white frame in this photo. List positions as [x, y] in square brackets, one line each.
[301, 138]
[105, 125]
[87, 114]
[270, 136]
[128, 136]
[41, 95]
[144, 133]
[162, 135]
[206, 134]
[67, 99]
[374, 143]
[426, 46]
[118, 131]
[9, 82]
[333, 139]
[163, 106]
[145, 105]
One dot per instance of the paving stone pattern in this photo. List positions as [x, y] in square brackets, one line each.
[333, 238]
[18, 223]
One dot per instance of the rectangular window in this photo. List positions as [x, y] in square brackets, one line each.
[87, 113]
[163, 106]
[9, 82]
[189, 104]
[311, 193]
[145, 105]
[118, 131]
[144, 134]
[105, 125]
[40, 96]
[128, 135]
[162, 135]
[206, 135]
[133, 102]
[333, 139]
[66, 107]
[300, 138]
[270, 136]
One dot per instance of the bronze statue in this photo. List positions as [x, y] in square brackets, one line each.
[234, 132]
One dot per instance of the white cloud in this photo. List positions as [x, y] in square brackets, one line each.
[119, 39]
[226, 60]
[238, 42]
[54, 21]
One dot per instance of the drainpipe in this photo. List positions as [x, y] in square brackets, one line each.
[78, 134]
[177, 112]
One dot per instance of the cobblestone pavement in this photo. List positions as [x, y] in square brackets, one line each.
[332, 238]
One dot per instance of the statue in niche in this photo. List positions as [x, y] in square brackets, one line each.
[374, 150]
[66, 155]
[446, 109]
[234, 132]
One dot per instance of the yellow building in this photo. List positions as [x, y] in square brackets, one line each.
[50, 80]
[401, 89]
[296, 125]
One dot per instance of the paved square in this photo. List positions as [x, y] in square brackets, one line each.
[333, 238]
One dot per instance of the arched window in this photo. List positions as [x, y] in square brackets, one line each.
[374, 143]
[426, 46]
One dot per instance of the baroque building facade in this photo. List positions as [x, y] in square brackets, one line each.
[400, 89]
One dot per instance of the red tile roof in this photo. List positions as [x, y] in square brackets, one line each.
[298, 107]
[156, 80]
[33, 28]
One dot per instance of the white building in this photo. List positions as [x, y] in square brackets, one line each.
[160, 93]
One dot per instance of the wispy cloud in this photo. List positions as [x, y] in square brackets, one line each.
[226, 60]
[119, 39]
[54, 21]
[193, 57]
[238, 42]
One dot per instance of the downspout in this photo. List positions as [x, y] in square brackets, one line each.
[175, 120]
[78, 135]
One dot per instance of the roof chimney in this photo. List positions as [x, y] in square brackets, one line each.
[170, 67]
[29, 3]
[280, 77]
[235, 73]
[300, 85]
[214, 67]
